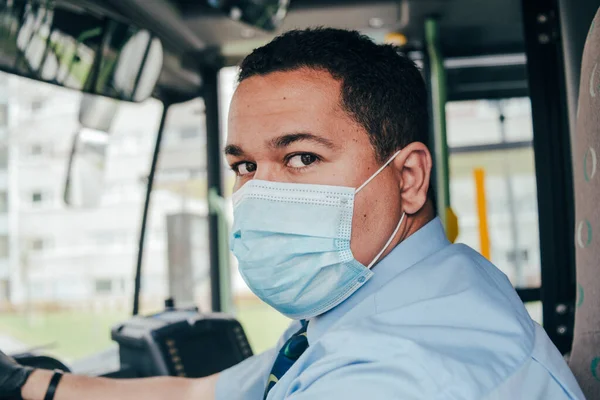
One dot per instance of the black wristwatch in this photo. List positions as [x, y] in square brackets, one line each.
[23, 374]
[58, 374]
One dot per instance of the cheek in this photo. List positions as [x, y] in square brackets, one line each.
[376, 214]
[368, 209]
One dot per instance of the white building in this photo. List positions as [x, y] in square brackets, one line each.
[61, 256]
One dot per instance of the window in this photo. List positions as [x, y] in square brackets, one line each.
[3, 156]
[495, 138]
[4, 291]
[37, 197]
[178, 215]
[4, 246]
[39, 244]
[103, 286]
[3, 202]
[81, 269]
[3, 115]
[36, 149]
[36, 105]
[41, 197]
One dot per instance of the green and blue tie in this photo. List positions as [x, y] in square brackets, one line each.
[289, 353]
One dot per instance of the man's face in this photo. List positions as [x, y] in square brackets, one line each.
[289, 127]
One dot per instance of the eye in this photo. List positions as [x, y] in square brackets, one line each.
[301, 160]
[244, 168]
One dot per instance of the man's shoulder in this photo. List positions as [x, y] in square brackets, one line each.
[452, 316]
[452, 287]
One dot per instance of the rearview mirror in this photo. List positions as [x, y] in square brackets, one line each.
[71, 47]
[85, 176]
[84, 182]
[264, 14]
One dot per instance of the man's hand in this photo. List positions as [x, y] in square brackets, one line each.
[12, 377]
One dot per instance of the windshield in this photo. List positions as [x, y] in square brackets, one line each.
[66, 273]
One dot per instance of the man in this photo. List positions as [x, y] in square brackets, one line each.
[335, 227]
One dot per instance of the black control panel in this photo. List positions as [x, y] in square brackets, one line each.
[180, 343]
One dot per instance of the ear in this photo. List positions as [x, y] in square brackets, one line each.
[414, 168]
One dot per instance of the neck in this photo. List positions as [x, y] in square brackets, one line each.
[411, 224]
[416, 221]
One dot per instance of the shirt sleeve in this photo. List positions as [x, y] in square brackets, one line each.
[248, 379]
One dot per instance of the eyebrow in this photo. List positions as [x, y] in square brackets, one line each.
[290, 138]
[233, 150]
[283, 141]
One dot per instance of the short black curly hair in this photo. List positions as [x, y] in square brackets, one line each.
[382, 89]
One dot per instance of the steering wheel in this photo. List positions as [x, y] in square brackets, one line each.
[42, 362]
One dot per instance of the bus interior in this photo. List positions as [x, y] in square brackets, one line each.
[114, 195]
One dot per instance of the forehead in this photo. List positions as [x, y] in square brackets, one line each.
[286, 102]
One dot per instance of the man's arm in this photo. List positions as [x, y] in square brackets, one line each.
[16, 379]
[76, 387]
[244, 380]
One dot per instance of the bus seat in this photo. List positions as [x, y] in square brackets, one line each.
[585, 355]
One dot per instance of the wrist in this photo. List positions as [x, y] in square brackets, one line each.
[36, 385]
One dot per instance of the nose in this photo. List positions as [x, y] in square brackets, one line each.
[267, 172]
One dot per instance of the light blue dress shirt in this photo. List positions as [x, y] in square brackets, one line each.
[436, 321]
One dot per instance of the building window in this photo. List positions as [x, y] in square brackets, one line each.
[3, 115]
[3, 202]
[3, 246]
[37, 197]
[3, 157]
[40, 198]
[36, 149]
[39, 244]
[4, 290]
[37, 105]
[103, 286]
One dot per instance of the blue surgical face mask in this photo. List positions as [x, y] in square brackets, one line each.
[292, 242]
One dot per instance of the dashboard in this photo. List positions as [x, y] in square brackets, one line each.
[174, 342]
[180, 343]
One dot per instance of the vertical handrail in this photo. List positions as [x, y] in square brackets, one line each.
[214, 170]
[484, 237]
[437, 76]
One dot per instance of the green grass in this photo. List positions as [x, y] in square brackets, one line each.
[72, 334]
[76, 334]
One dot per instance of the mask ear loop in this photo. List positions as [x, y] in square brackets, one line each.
[388, 242]
[378, 171]
[403, 213]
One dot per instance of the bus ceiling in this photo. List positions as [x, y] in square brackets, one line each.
[482, 43]
[199, 34]
[193, 32]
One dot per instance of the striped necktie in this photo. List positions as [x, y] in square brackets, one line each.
[289, 353]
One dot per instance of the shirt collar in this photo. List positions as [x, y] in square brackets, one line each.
[428, 240]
